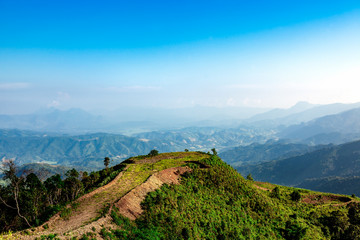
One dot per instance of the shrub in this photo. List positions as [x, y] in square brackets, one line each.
[295, 195]
[249, 177]
[153, 153]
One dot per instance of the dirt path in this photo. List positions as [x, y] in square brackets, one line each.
[90, 205]
[259, 187]
[126, 191]
[129, 205]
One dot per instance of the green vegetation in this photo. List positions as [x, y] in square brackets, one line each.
[26, 201]
[214, 201]
[249, 177]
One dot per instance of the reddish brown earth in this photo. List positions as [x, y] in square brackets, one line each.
[129, 205]
[322, 199]
[122, 192]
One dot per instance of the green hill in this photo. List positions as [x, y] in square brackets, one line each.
[194, 195]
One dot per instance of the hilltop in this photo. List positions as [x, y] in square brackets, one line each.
[194, 195]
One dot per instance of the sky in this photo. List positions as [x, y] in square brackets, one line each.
[107, 55]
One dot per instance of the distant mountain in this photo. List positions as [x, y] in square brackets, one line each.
[89, 150]
[82, 150]
[205, 138]
[331, 161]
[126, 120]
[317, 112]
[54, 120]
[335, 128]
[281, 113]
[341, 185]
[301, 112]
[271, 150]
[44, 170]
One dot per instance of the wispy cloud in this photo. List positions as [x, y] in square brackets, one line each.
[60, 98]
[13, 86]
[136, 88]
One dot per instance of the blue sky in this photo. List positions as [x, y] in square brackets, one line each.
[113, 54]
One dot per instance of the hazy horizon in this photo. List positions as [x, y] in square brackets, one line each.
[164, 55]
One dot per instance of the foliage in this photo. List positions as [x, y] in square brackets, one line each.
[295, 195]
[106, 162]
[213, 150]
[249, 177]
[275, 192]
[29, 201]
[215, 202]
[153, 153]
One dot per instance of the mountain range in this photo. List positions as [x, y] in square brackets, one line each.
[317, 170]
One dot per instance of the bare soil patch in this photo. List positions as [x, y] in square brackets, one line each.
[322, 199]
[129, 205]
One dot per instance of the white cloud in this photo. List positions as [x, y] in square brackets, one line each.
[13, 86]
[136, 88]
[61, 97]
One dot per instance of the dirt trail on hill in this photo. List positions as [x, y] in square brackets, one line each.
[259, 187]
[90, 205]
[91, 211]
[129, 205]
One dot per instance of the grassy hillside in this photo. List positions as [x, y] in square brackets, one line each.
[212, 201]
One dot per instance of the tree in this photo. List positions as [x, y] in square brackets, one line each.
[214, 151]
[73, 186]
[16, 185]
[275, 192]
[295, 195]
[106, 162]
[35, 192]
[54, 186]
[72, 173]
[153, 153]
[249, 177]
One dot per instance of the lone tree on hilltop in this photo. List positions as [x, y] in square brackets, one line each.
[106, 162]
[153, 153]
[214, 151]
[249, 177]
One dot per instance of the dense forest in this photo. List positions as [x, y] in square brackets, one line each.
[26, 201]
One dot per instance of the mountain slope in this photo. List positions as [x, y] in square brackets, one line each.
[212, 201]
[89, 150]
[301, 112]
[281, 113]
[341, 161]
[83, 150]
[271, 150]
[329, 129]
